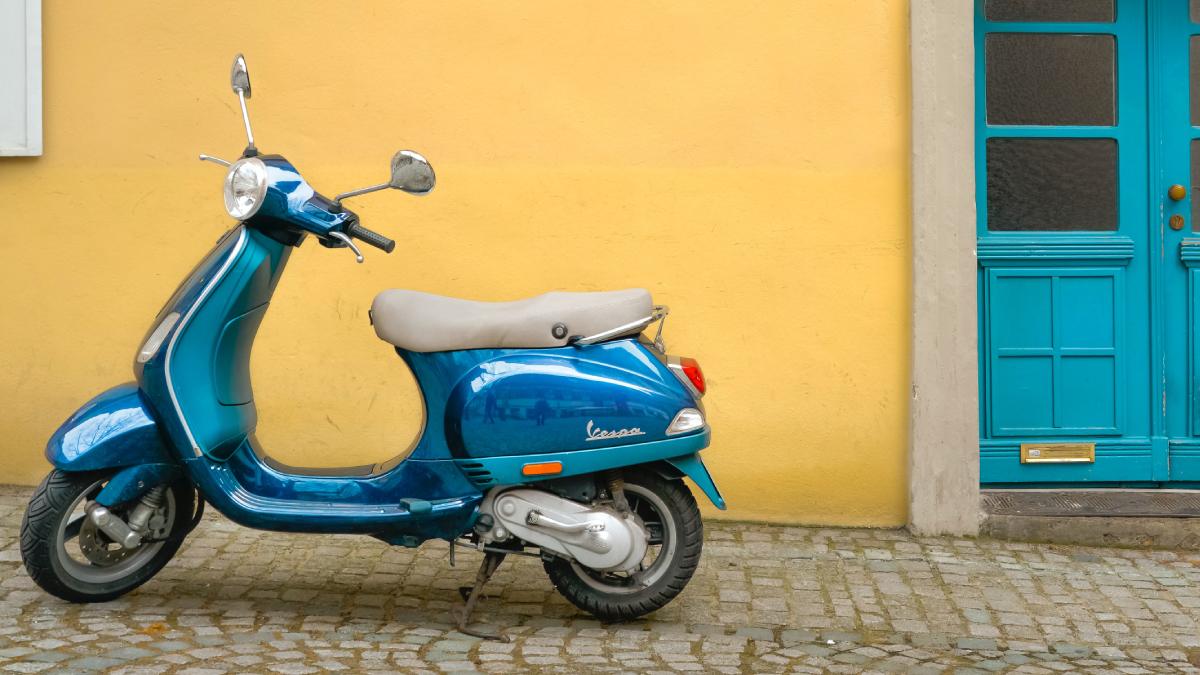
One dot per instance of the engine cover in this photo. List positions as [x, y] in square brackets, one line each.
[598, 538]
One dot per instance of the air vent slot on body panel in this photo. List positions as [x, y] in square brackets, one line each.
[478, 474]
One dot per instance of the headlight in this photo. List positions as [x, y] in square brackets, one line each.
[245, 185]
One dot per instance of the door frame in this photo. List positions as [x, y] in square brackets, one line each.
[943, 462]
[944, 398]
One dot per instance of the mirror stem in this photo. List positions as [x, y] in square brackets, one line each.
[337, 201]
[246, 119]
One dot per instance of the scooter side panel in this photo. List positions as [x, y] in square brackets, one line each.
[566, 399]
[152, 376]
[199, 378]
[114, 429]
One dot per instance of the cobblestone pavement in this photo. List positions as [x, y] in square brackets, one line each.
[767, 599]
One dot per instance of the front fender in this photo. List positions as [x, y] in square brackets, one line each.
[113, 430]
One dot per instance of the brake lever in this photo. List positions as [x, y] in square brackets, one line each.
[348, 242]
[214, 160]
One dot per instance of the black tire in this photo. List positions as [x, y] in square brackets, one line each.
[583, 588]
[52, 503]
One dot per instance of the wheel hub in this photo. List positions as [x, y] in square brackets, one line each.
[102, 551]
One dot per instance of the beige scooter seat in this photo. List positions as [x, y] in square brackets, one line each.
[423, 322]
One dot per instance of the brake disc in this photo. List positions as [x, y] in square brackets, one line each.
[98, 548]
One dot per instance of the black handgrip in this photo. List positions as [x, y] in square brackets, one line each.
[373, 238]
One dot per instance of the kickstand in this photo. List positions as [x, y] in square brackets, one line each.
[491, 561]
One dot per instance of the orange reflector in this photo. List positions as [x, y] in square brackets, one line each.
[542, 469]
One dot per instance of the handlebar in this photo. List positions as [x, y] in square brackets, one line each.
[370, 237]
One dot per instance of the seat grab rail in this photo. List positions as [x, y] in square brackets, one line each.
[659, 313]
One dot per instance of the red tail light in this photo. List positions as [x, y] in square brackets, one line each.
[691, 370]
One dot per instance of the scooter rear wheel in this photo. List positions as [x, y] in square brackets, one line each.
[669, 511]
[69, 558]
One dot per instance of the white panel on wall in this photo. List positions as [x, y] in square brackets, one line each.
[20, 77]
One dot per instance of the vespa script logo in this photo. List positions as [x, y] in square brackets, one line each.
[595, 433]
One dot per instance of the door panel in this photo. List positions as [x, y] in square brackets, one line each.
[1056, 336]
[1065, 239]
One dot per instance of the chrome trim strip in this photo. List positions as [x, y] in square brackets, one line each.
[233, 255]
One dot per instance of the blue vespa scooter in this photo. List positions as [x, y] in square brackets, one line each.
[553, 427]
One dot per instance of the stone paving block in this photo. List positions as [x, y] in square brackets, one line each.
[765, 599]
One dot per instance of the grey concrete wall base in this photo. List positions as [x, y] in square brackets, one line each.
[1172, 533]
[944, 435]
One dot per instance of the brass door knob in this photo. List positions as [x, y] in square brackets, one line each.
[1176, 222]
[1177, 192]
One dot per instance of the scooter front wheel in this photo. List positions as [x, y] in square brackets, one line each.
[669, 512]
[70, 558]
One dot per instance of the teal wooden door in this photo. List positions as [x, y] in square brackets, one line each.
[1174, 83]
[1088, 146]
[1068, 234]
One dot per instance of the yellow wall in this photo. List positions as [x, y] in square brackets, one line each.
[747, 162]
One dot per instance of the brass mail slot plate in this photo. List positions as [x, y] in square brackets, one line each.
[1058, 453]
